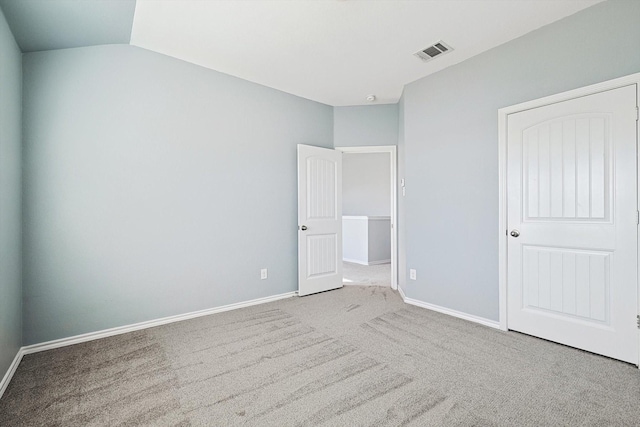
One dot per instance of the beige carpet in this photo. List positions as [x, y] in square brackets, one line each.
[369, 275]
[352, 357]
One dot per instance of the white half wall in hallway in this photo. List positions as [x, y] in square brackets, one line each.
[366, 239]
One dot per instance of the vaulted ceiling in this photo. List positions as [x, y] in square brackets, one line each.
[334, 51]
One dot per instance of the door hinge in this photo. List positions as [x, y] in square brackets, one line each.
[638, 319]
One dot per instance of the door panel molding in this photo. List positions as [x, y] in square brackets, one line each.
[551, 209]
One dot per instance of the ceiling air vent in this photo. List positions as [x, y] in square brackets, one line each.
[433, 51]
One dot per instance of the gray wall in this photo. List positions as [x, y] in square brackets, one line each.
[451, 145]
[154, 187]
[45, 25]
[365, 125]
[366, 185]
[10, 197]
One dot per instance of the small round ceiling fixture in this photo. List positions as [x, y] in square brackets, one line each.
[371, 98]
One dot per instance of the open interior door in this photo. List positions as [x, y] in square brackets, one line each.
[319, 219]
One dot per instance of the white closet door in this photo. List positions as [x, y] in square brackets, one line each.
[572, 249]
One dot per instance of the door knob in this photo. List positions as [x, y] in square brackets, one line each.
[514, 233]
[303, 228]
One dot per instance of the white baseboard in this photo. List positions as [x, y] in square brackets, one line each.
[470, 317]
[34, 348]
[355, 261]
[12, 370]
[404, 297]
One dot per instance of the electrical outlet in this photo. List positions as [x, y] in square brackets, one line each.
[412, 274]
[263, 274]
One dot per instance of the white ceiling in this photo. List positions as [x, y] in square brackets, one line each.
[332, 51]
[335, 51]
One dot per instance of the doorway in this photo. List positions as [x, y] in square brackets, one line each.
[369, 216]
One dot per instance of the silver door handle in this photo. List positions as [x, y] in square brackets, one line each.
[514, 233]
[303, 228]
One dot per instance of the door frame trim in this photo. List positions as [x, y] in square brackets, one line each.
[503, 114]
[391, 149]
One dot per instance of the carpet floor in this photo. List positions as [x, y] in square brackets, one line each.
[368, 275]
[357, 356]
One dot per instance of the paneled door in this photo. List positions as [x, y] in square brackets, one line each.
[572, 223]
[319, 219]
